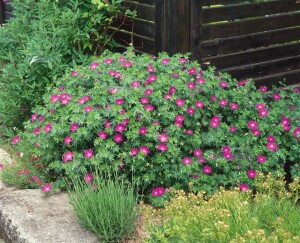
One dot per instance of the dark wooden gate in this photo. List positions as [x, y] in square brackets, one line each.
[5, 11]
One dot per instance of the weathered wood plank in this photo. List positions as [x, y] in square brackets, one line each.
[144, 11]
[244, 27]
[243, 43]
[248, 10]
[228, 2]
[1, 12]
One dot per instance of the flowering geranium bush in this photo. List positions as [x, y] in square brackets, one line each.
[163, 122]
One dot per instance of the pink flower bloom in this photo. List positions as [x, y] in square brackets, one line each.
[162, 147]
[61, 88]
[271, 139]
[121, 166]
[155, 123]
[179, 102]
[46, 188]
[296, 132]
[276, 96]
[226, 149]
[54, 98]
[165, 61]
[201, 160]
[199, 104]
[198, 152]
[134, 152]
[244, 187]
[272, 146]
[41, 119]
[163, 138]
[263, 89]
[113, 90]
[107, 124]
[89, 153]
[145, 150]
[263, 113]
[192, 71]
[120, 128]
[228, 156]
[36, 131]
[285, 120]
[151, 69]
[88, 178]
[33, 117]
[16, 139]
[94, 65]
[48, 127]
[286, 127]
[88, 109]
[251, 174]
[186, 161]
[252, 125]
[144, 100]
[118, 138]
[179, 118]
[148, 107]
[158, 192]
[68, 140]
[224, 84]
[74, 127]
[68, 156]
[261, 159]
[143, 130]
[125, 122]
[207, 170]
[172, 89]
[191, 110]
[126, 64]
[201, 81]
[123, 111]
[256, 132]
[214, 124]
[167, 96]
[74, 73]
[178, 124]
[232, 129]
[213, 98]
[119, 102]
[108, 61]
[148, 92]
[233, 106]
[191, 85]
[136, 84]
[83, 100]
[260, 106]
[223, 102]
[182, 60]
[103, 135]
[1, 166]
[190, 132]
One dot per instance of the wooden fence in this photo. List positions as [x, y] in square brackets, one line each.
[248, 40]
[5, 11]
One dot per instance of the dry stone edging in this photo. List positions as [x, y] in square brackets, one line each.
[27, 216]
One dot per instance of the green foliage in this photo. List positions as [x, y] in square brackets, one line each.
[37, 46]
[104, 205]
[228, 216]
[95, 117]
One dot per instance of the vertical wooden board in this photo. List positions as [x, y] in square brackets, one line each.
[159, 11]
[195, 28]
[1, 12]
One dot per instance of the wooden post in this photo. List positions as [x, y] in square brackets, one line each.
[195, 28]
[1, 12]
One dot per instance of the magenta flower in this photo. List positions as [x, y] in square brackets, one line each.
[214, 124]
[103, 135]
[89, 153]
[155, 123]
[74, 73]
[207, 170]
[216, 119]
[68, 140]
[46, 188]
[172, 89]
[126, 64]
[190, 132]
[148, 107]
[94, 65]
[261, 159]
[165, 61]
[179, 118]
[33, 117]
[263, 89]
[68, 156]
[1, 166]
[119, 102]
[276, 96]
[135, 84]
[88, 109]
[263, 113]
[143, 130]
[178, 124]
[223, 84]
[191, 85]
[198, 152]
[145, 150]
[134, 152]
[226, 149]
[108, 61]
[270, 139]
[41, 119]
[199, 104]
[107, 124]
[16, 139]
[223, 102]
[150, 68]
[233, 106]
[74, 127]
[152, 77]
[192, 71]
[163, 138]
[144, 100]
[113, 90]
[260, 106]
[252, 125]
[256, 132]
[285, 120]
[36, 131]
[201, 81]
[244, 187]
[118, 138]
[167, 96]
[191, 110]
[162, 147]
[48, 127]
[232, 129]
[182, 60]
[296, 132]
[228, 156]
[251, 174]
[54, 98]
[213, 98]
[88, 178]
[272, 146]
[120, 128]
[186, 161]
[158, 192]
[148, 92]
[179, 102]
[286, 127]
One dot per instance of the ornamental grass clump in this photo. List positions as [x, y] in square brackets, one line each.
[163, 122]
[105, 206]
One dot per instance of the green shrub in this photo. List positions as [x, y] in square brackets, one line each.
[228, 216]
[44, 40]
[105, 206]
[163, 122]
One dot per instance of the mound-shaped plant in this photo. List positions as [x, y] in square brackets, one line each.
[162, 121]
